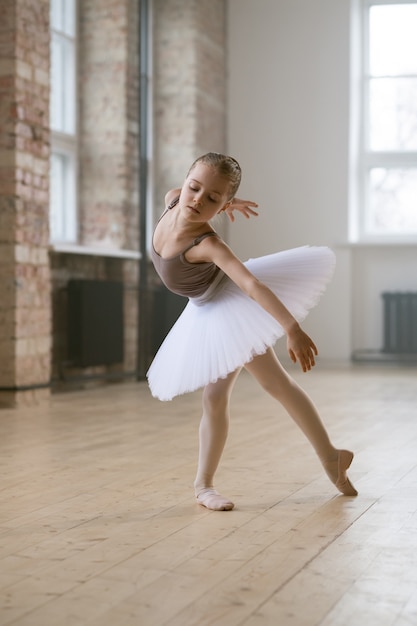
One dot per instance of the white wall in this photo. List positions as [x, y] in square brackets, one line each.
[288, 124]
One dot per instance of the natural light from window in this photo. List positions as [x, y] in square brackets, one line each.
[63, 218]
[391, 111]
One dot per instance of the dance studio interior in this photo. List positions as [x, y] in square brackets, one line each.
[104, 105]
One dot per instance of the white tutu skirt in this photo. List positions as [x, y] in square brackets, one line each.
[225, 328]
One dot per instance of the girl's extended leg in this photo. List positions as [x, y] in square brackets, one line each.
[214, 427]
[269, 372]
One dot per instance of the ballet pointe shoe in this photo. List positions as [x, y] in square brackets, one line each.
[212, 500]
[336, 471]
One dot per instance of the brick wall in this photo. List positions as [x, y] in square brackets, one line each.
[190, 81]
[25, 318]
[108, 84]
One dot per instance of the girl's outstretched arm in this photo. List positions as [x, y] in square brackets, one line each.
[300, 346]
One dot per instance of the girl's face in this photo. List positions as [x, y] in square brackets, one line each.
[204, 193]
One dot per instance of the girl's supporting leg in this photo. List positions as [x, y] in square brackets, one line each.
[214, 427]
[269, 372]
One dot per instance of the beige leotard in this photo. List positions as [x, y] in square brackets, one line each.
[179, 275]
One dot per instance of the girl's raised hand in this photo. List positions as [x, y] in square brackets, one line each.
[243, 206]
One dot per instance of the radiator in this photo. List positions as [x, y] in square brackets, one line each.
[95, 322]
[400, 322]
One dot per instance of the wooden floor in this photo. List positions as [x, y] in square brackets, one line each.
[99, 526]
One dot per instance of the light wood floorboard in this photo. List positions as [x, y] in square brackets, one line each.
[99, 526]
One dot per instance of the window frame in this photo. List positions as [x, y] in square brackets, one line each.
[366, 159]
[65, 144]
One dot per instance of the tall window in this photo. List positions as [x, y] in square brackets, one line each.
[387, 197]
[63, 115]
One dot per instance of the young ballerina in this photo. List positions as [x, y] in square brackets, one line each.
[235, 314]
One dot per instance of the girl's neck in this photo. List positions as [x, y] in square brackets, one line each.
[185, 228]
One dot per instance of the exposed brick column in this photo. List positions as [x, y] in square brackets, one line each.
[108, 85]
[25, 326]
[190, 87]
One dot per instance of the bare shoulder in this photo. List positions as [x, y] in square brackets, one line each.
[171, 195]
[215, 249]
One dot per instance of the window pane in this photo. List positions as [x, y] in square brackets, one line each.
[56, 195]
[57, 75]
[62, 211]
[62, 85]
[69, 17]
[62, 16]
[63, 165]
[393, 40]
[56, 15]
[393, 201]
[393, 113]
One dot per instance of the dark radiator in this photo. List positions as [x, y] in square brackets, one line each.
[400, 322]
[95, 322]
